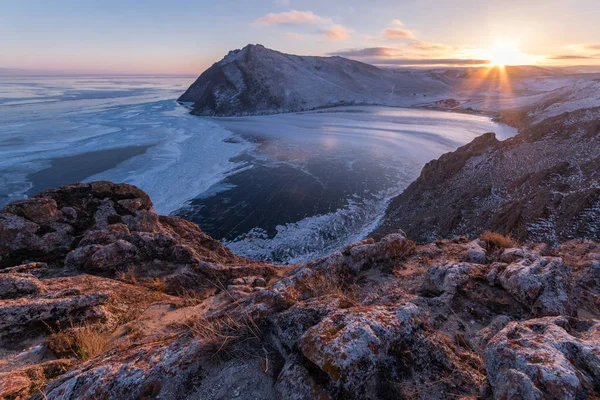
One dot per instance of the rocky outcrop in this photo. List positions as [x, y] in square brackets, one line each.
[377, 319]
[546, 358]
[111, 230]
[540, 186]
[257, 80]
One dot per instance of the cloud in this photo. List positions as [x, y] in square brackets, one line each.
[570, 57]
[336, 33]
[366, 52]
[592, 47]
[406, 56]
[430, 47]
[397, 33]
[429, 61]
[292, 17]
[397, 22]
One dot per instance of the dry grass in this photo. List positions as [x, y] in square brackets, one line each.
[399, 249]
[157, 284]
[497, 240]
[127, 276]
[89, 342]
[324, 284]
[82, 342]
[224, 334]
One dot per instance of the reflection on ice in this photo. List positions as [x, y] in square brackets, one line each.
[320, 180]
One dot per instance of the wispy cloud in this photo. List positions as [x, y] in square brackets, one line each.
[397, 33]
[430, 61]
[569, 57]
[593, 47]
[367, 52]
[336, 33]
[331, 31]
[292, 17]
[393, 33]
[411, 54]
[430, 47]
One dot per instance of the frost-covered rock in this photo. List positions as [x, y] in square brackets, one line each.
[474, 254]
[545, 358]
[23, 315]
[349, 345]
[446, 278]
[544, 284]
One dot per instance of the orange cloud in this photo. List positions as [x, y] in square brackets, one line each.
[397, 33]
[336, 33]
[293, 17]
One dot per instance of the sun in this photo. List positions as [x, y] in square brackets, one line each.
[502, 54]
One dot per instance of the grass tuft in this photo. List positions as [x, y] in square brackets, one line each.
[497, 240]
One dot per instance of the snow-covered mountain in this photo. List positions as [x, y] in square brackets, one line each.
[257, 80]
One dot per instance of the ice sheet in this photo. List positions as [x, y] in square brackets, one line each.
[60, 118]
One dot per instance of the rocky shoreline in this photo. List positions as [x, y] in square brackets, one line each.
[102, 298]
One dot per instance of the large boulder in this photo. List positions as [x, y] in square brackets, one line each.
[545, 358]
[350, 345]
[544, 284]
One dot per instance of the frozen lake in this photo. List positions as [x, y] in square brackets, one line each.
[283, 188]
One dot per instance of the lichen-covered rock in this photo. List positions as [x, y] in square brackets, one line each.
[18, 285]
[474, 253]
[110, 229]
[295, 383]
[544, 284]
[446, 278]
[24, 315]
[350, 345]
[545, 358]
[141, 371]
[292, 323]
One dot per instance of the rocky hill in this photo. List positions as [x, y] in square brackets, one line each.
[257, 80]
[541, 185]
[100, 298]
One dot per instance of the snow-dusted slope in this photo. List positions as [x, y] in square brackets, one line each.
[541, 185]
[257, 80]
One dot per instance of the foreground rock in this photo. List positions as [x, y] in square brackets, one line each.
[112, 230]
[132, 305]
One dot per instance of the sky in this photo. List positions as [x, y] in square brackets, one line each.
[186, 37]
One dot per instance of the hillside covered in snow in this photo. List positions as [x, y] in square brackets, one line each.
[257, 80]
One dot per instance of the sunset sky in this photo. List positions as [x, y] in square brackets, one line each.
[185, 37]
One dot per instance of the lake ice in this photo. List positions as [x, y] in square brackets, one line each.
[283, 188]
